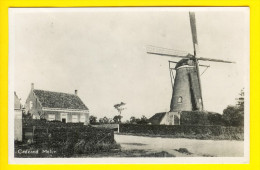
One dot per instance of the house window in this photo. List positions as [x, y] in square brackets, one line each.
[30, 104]
[179, 99]
[51, 117]
[75, 119]
[82, 118]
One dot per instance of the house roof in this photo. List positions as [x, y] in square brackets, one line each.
[59, 100]
[157, 118]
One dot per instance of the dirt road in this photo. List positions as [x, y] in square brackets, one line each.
[218, 148]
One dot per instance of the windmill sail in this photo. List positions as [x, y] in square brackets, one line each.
[195, 44]
[192, 94]
[179, 54]
[193, 31]
[167, 52]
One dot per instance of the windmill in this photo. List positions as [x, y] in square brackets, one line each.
[186, 86]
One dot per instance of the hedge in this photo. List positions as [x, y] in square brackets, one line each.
[185, 131]
[69, 139]
[201, 118]
[48, 124]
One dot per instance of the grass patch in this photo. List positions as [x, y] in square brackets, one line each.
[135, 144]
[183, 150]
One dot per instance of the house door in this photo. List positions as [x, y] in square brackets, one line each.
[64, 117]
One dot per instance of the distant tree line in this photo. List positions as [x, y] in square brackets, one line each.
[117, 119]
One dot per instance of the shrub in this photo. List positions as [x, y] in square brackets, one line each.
[215, 119]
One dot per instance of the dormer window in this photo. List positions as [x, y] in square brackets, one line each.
[179, 99]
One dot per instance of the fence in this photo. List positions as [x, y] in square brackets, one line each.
[113, 127]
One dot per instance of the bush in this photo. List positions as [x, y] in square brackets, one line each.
[215, 119]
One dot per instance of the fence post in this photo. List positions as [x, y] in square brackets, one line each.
[33, 134]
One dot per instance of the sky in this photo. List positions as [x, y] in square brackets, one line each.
[101, 52]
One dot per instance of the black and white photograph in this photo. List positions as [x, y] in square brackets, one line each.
[128, 85]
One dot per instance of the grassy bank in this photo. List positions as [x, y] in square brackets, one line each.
[189, 132]
[201, 137]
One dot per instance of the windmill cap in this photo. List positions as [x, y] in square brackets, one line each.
[183, 62]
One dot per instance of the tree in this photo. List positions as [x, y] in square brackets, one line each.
[101, 121]
[232, 116]
[117, 118]
[104, 120]
[142, 120]
[241, 101]
[92, 119]
[27, 116]
[110, 120]
[120, 107]
[132, 120]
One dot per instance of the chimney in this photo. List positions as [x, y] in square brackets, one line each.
[76, 92]
[32, 86]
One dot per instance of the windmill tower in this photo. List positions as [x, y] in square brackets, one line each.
[187, 91]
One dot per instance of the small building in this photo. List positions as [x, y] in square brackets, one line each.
[64, 107]
[165, 118]
[18, 112]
